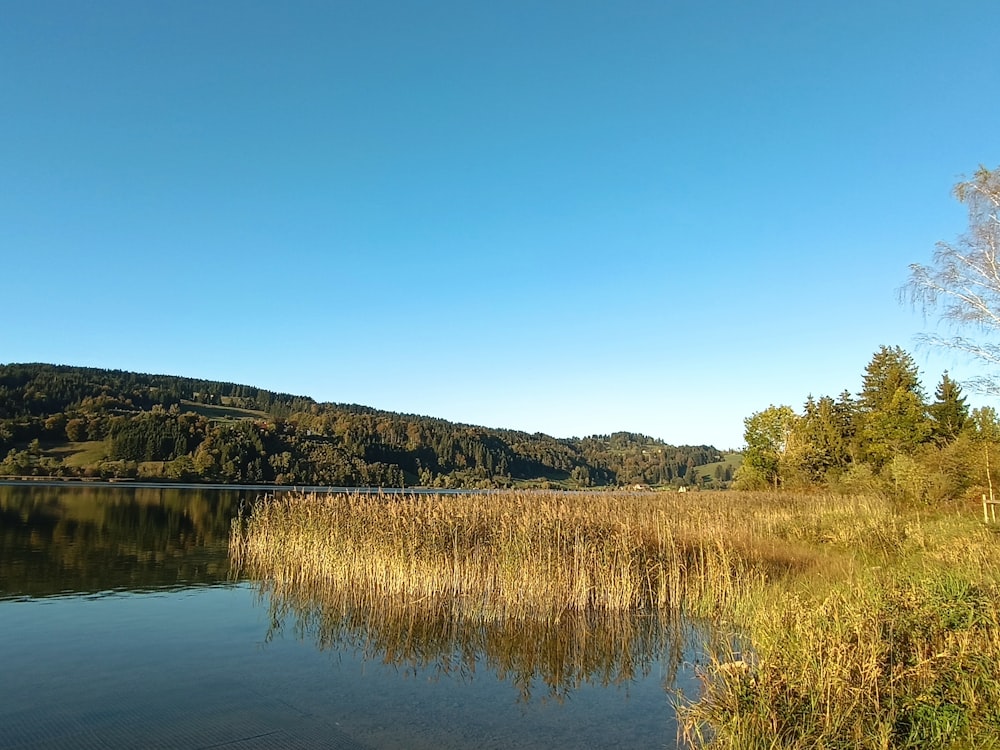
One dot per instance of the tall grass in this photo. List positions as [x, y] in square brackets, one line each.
[885, 661]
[899, 650]
[519, 554]
[845, 622]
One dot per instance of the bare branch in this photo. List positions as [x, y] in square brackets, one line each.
[961, 286]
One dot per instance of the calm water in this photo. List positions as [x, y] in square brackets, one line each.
[122, 626]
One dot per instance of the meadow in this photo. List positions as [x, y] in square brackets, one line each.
[840, 621]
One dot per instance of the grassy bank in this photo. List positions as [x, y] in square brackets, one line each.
[868, 625]
[899, 650]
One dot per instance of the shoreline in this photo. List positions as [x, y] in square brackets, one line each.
[277, 488]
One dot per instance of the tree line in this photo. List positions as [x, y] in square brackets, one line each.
[157, 427]
[891, 435]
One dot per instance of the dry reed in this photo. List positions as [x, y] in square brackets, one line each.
[519, 554]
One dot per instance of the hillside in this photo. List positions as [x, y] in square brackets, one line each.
[59, 420]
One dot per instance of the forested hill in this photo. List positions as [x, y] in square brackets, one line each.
[72, 421]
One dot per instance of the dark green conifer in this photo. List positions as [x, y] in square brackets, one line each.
[949, 410]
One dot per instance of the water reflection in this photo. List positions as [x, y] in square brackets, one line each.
[91, 539]
[186, 668]
[547, 659]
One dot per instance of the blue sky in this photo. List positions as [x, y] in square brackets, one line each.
[564, 217]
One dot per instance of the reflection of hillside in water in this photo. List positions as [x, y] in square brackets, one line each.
[60, 540]
[580, 648]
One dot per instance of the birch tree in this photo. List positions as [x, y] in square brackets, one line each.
[961, 285]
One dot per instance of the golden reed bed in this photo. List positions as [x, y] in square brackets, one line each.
[516, 554]
[869, 624]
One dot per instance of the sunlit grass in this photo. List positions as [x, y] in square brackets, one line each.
[78, 455]
[521, 554]
[899, 650]
[884, 661]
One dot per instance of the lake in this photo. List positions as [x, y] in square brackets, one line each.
[122, 626]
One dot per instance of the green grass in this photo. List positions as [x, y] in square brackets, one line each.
[886, 659]
[81, 454]
[730, 459]
[222, 412]
[898, 649]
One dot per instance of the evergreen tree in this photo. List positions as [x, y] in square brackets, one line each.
[892, 411]
[949, 411]
[821, 440]
[846, 415]
[891, 369]
[897, 428]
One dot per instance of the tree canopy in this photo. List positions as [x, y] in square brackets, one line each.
[767, 434]
[887, 438]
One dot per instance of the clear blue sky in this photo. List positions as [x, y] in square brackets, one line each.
[567, 217]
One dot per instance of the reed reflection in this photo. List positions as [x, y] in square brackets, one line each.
[543, 658]
[543, 588]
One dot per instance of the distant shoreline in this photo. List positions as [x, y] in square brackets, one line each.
[282, 488]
